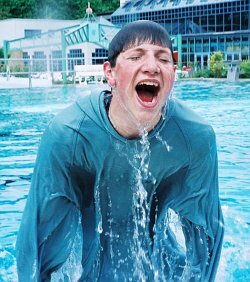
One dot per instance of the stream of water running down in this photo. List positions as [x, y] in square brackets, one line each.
[26, 112]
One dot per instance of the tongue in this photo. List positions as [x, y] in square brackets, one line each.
[146, 96]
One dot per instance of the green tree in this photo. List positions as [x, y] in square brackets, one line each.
[54, 9]
[5, 9]
[245, 69]
[77, 8]
[216, 64]
[1, 60]
[1, 53]
[16, 8]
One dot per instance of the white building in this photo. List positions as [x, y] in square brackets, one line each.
[11, 29]
[39, 42]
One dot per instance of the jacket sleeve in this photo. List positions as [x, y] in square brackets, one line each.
[200, 213]
[51, 215]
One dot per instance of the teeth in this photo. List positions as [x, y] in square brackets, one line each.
[151, 83]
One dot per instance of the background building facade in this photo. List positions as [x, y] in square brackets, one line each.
[44, 45]
[206, 26]
[203, 27]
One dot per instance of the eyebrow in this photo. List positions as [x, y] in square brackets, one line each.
[138, 49]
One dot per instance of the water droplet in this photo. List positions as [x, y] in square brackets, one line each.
[99, 228]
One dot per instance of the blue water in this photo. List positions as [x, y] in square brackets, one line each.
[24, 114]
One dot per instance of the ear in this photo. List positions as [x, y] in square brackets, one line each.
[109, 74]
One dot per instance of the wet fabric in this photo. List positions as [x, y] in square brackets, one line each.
[148, 207]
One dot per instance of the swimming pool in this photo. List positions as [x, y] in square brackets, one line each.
[24, 113]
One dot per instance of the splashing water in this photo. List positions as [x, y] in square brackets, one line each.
[72, 268]
[142, 209]
[164, 142]
[144, 263]
[137, 240]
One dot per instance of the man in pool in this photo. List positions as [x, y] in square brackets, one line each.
[129, 174]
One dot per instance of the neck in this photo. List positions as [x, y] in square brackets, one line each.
[123, 129]
[126, 125]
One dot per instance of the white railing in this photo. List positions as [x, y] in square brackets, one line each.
[70, 70]
[86, 73]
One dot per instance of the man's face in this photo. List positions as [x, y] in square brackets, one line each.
[142, 78]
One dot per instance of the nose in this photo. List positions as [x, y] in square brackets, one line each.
[150, 65]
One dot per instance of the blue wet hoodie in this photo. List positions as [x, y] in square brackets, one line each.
[148, 207]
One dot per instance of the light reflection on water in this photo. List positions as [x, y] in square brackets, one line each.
[24, 113]
[227, 107]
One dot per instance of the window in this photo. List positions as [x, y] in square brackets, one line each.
[214, 46]
[222, 44]
[229, 57]
[244, 20]
[184, 48]
[211, 23]
[236, 57]
[204, 24]
[138, 3]
[236, 44]
[236, 21]
[26, 58]
[229, 44]
[147, 3]
[99, 56]
[206, 45]
[127, 6]
[75, 57]
[39, 61]
[245, 48]
[56, 60]
[198, 45]
[219, 23]
[32, 33]
[191, 45]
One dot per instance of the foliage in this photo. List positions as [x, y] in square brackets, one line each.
[16, 70]
[17, 8]
[216, 64]
[205, 73]
[53, 9]
[1, 53]
[2, 67]
[245, 69]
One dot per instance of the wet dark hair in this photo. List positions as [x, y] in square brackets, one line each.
[136, 33]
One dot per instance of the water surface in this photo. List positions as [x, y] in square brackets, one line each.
[24, 114]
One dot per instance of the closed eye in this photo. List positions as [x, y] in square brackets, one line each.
[134, 58]
[165, 60]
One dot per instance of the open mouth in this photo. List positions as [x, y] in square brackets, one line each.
[147, 91]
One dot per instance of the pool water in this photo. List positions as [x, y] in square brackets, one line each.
[24, 114]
